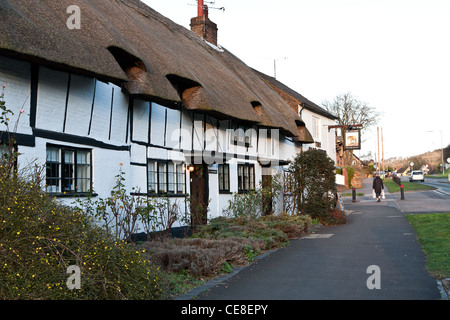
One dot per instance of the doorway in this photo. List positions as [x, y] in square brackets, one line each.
[267, 201]
[199, 195]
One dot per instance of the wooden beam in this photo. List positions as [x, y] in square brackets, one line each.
[344, 126]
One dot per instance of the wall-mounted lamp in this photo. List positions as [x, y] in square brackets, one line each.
[190, 168]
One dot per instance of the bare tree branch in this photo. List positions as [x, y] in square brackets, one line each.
[350, 110]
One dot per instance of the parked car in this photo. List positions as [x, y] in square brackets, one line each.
[416, 175]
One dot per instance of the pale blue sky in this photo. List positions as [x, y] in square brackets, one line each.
[392, 54]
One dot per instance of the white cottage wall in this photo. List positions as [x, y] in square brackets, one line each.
[118, 118]
[101, 112]
[287, 148]
[172, 126]
[79, 105]
[186, 130]
[52, 95]
[141, 120]
[324, 137]
[138, 167]
[198, 137]
[222, 135]
[158, 125]
[211, 134]
[16, 77]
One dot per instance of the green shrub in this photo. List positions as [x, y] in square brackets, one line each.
[255, 203]
[291, 225]
[245, 205]
[312, 183]
[274, 230]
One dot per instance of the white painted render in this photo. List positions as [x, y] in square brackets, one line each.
[51, 99]
[326, 138]
[16, 77]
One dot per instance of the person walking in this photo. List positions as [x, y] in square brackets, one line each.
[378, 186]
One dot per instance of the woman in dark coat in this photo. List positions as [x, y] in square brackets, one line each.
[378, 186]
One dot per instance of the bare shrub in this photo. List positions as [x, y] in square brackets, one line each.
[200, 257]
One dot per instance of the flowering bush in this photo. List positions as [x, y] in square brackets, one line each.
[40, 239]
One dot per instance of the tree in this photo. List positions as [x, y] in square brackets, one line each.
[446, 153]
[350, 110]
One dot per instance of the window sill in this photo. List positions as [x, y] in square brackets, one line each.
[165, 195]
[245, 191]
[73, 195]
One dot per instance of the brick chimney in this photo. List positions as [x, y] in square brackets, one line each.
[204, 27]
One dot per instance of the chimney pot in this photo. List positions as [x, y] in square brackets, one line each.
[202, 9]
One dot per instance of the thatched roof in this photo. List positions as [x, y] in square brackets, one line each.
[293, 98]
[128, 43]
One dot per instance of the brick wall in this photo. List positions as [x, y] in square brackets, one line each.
[205, 28]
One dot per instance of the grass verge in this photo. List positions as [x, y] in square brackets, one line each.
[439, 175]
[407, 186]
[349, 194]
[433, 231]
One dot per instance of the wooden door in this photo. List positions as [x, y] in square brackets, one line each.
[267, 199]
[199, 195]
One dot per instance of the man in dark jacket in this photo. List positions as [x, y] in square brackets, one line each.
[378, 186]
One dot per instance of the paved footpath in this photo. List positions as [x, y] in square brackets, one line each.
[335, 262]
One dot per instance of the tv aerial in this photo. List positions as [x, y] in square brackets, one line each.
[207, 5]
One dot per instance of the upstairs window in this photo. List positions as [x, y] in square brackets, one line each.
[316, 128]
[241, 135]
[68, 170]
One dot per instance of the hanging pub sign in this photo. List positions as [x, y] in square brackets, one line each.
[352, 139]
